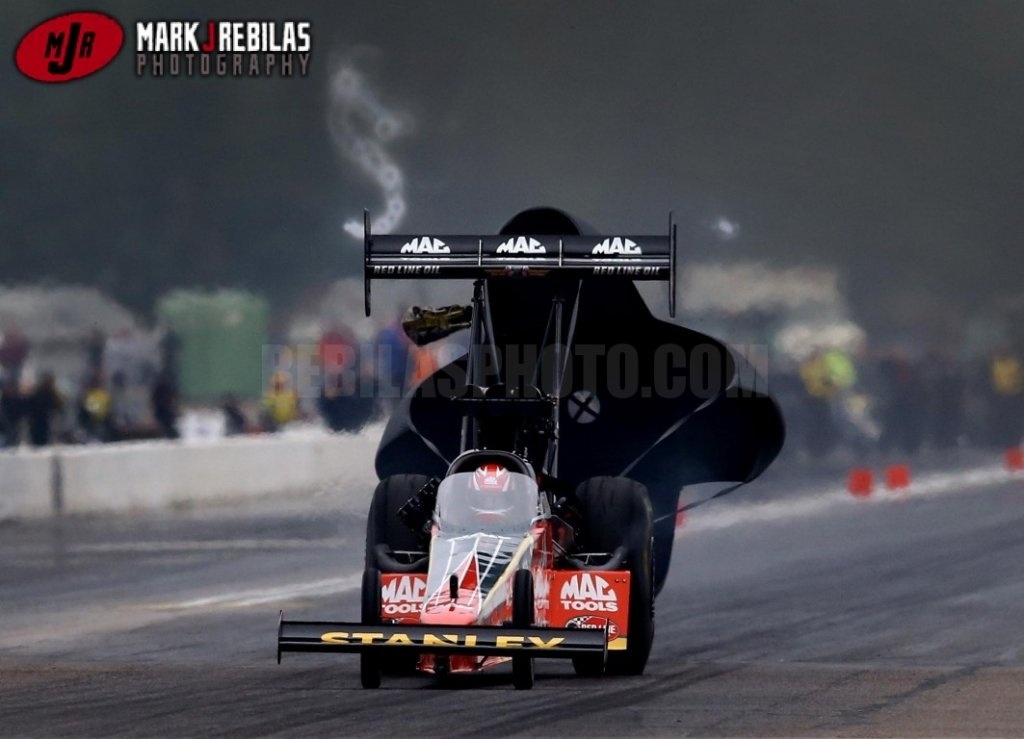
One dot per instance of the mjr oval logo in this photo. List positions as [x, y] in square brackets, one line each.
[69, 47]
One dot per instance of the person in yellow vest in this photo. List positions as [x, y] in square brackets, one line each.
[841, 371]
[819, 431]
[94, 408]
[815, 375]
[280, 402]
[826, 374]
[1006, 380]
[1007, 374]
[829, 377]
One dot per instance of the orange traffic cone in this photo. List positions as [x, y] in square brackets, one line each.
[897, 476]
[861, 482]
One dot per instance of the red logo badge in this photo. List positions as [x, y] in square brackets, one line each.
[69, 47]
[593, 622]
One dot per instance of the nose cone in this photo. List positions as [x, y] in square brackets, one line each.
[462, 611]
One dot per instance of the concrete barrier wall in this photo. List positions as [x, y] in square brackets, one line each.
[146, 475]
[26, 483]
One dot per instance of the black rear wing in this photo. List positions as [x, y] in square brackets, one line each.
[455, 257]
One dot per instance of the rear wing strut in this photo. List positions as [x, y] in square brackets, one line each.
[453, 257]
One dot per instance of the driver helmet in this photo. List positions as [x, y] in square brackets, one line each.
[491, 478]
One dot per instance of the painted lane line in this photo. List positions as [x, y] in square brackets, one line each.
[208, 545]
[273, 594]
[159, 547]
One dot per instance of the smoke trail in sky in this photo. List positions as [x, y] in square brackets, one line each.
[361, 127]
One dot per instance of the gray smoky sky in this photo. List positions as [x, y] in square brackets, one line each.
[880, 138]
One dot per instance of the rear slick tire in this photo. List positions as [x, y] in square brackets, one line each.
[383, 526]
[617, 512]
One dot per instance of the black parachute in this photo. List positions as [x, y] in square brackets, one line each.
[641, 398]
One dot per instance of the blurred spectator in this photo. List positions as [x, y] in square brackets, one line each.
[820, 435]
[164, 401]
[342, 407]
[94, 409]
[43, 404]
[392, 363]
[119, 421]
[332, 401]
[1006, 375]
[424, 364]
[834, 411]
[170, 357]
[94, 347]
[12, 411]
[840, 369]
[338, 351]
[944, 398]
[816, 377]
[280, 403]
[13, 353]
[901, 398]
[235, 422]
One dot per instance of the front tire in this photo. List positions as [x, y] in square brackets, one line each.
[369, 662]
[523, 616]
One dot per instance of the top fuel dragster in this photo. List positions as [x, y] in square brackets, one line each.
[529, 489]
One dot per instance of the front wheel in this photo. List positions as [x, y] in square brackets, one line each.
[522, 617]
[369, 662]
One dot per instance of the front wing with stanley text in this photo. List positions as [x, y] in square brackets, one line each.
[497, 641]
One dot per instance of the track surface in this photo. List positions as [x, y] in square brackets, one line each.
[902, 616]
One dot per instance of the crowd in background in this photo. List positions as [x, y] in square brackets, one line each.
[887, 402]
[355, 381]
[113, 400]
[890, 403]
[105, 406]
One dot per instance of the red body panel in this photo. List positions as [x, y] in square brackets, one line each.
[564, 598]
[589, 599]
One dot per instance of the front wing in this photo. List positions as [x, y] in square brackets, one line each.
[490, 641]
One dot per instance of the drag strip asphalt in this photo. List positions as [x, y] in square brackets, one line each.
[790, 609]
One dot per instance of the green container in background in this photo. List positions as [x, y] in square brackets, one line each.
[221, 336]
